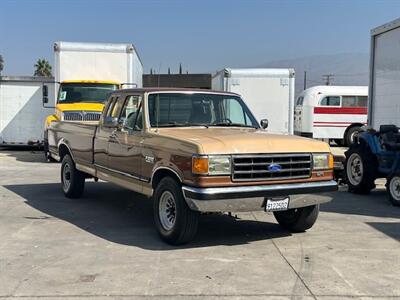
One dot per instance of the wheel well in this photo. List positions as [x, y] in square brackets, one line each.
[160, 174]
[353, 125]
[62, 151]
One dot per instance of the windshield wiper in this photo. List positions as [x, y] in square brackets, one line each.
[227, 124]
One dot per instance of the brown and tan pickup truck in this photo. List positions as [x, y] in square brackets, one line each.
[195, 151]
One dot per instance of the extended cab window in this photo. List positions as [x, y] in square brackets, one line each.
[131, 114]
[330, 101]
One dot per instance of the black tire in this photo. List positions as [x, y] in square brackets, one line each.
[393, 189]
[350, 133]
[184, 226]
[46, 151]
[72, 180]
[298, 219]
[360, 168]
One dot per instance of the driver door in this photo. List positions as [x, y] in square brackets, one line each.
[125, 144]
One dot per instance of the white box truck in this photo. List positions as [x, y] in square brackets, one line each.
[384, 84]
[269, 93]
[85, 74]
[21, 109]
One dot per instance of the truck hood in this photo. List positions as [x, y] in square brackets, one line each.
[217, 140]
[80, 106]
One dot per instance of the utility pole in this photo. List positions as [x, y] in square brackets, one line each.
[328, 78]
[305, 80]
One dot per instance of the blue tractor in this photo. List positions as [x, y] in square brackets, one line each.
[374, 154]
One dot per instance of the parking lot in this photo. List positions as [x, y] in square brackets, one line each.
[105, 246]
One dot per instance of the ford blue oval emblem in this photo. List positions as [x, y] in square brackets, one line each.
[274, 168]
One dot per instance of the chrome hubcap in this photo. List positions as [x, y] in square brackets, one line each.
[66, 177]
[353, 136]
[394, 188]
[355, 169]
[167, 210]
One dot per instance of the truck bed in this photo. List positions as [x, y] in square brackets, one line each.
[79, 137]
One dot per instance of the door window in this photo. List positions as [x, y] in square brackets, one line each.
[131, 115]
[330, 101]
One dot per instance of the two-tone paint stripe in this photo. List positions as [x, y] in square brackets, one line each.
[341, 110]
[334, 124]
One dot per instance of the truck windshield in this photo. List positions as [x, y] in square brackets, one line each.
[199, 109]
[85, 92]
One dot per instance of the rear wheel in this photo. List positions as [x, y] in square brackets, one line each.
[176, 223]
[393, 189]
[72, 180]
[360, 169]
[351, 133]
[298, 219]
[46, 150]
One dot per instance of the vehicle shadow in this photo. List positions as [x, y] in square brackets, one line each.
[124, 217]
[391, 229]
[24, 153]
[375, 204]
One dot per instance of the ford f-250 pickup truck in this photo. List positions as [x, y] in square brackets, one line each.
[195, 151]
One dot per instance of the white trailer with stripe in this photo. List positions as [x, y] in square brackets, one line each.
[331, 112]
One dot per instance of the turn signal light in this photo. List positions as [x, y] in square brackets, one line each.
[330, 163]
[200, 165]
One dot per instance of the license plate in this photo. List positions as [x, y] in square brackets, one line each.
[277, 204]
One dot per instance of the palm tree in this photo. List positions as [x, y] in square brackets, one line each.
[42, 68]
[1, 64]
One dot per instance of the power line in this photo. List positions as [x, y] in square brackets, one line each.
[327, 78]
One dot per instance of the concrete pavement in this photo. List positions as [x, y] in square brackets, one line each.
[104, 246]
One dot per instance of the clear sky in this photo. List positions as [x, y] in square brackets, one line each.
[203, 35]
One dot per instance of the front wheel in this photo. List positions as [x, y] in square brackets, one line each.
[298, 219]
[72, 180]
[176, 223]
[360, 169]
[393, 189]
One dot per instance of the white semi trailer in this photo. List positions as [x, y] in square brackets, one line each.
[269, 93]
[21, 109]
[384, 84]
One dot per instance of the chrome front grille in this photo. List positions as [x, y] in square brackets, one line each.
[260, 167]
[81, 116]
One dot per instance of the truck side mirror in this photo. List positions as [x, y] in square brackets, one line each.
[45, 94]
[264, 123]
[110, 122]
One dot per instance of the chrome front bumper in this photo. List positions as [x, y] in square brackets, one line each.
[252, 198]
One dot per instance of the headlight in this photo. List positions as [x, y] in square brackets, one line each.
[322, 161]
[211, 165]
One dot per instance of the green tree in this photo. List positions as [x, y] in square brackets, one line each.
[42, 68]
